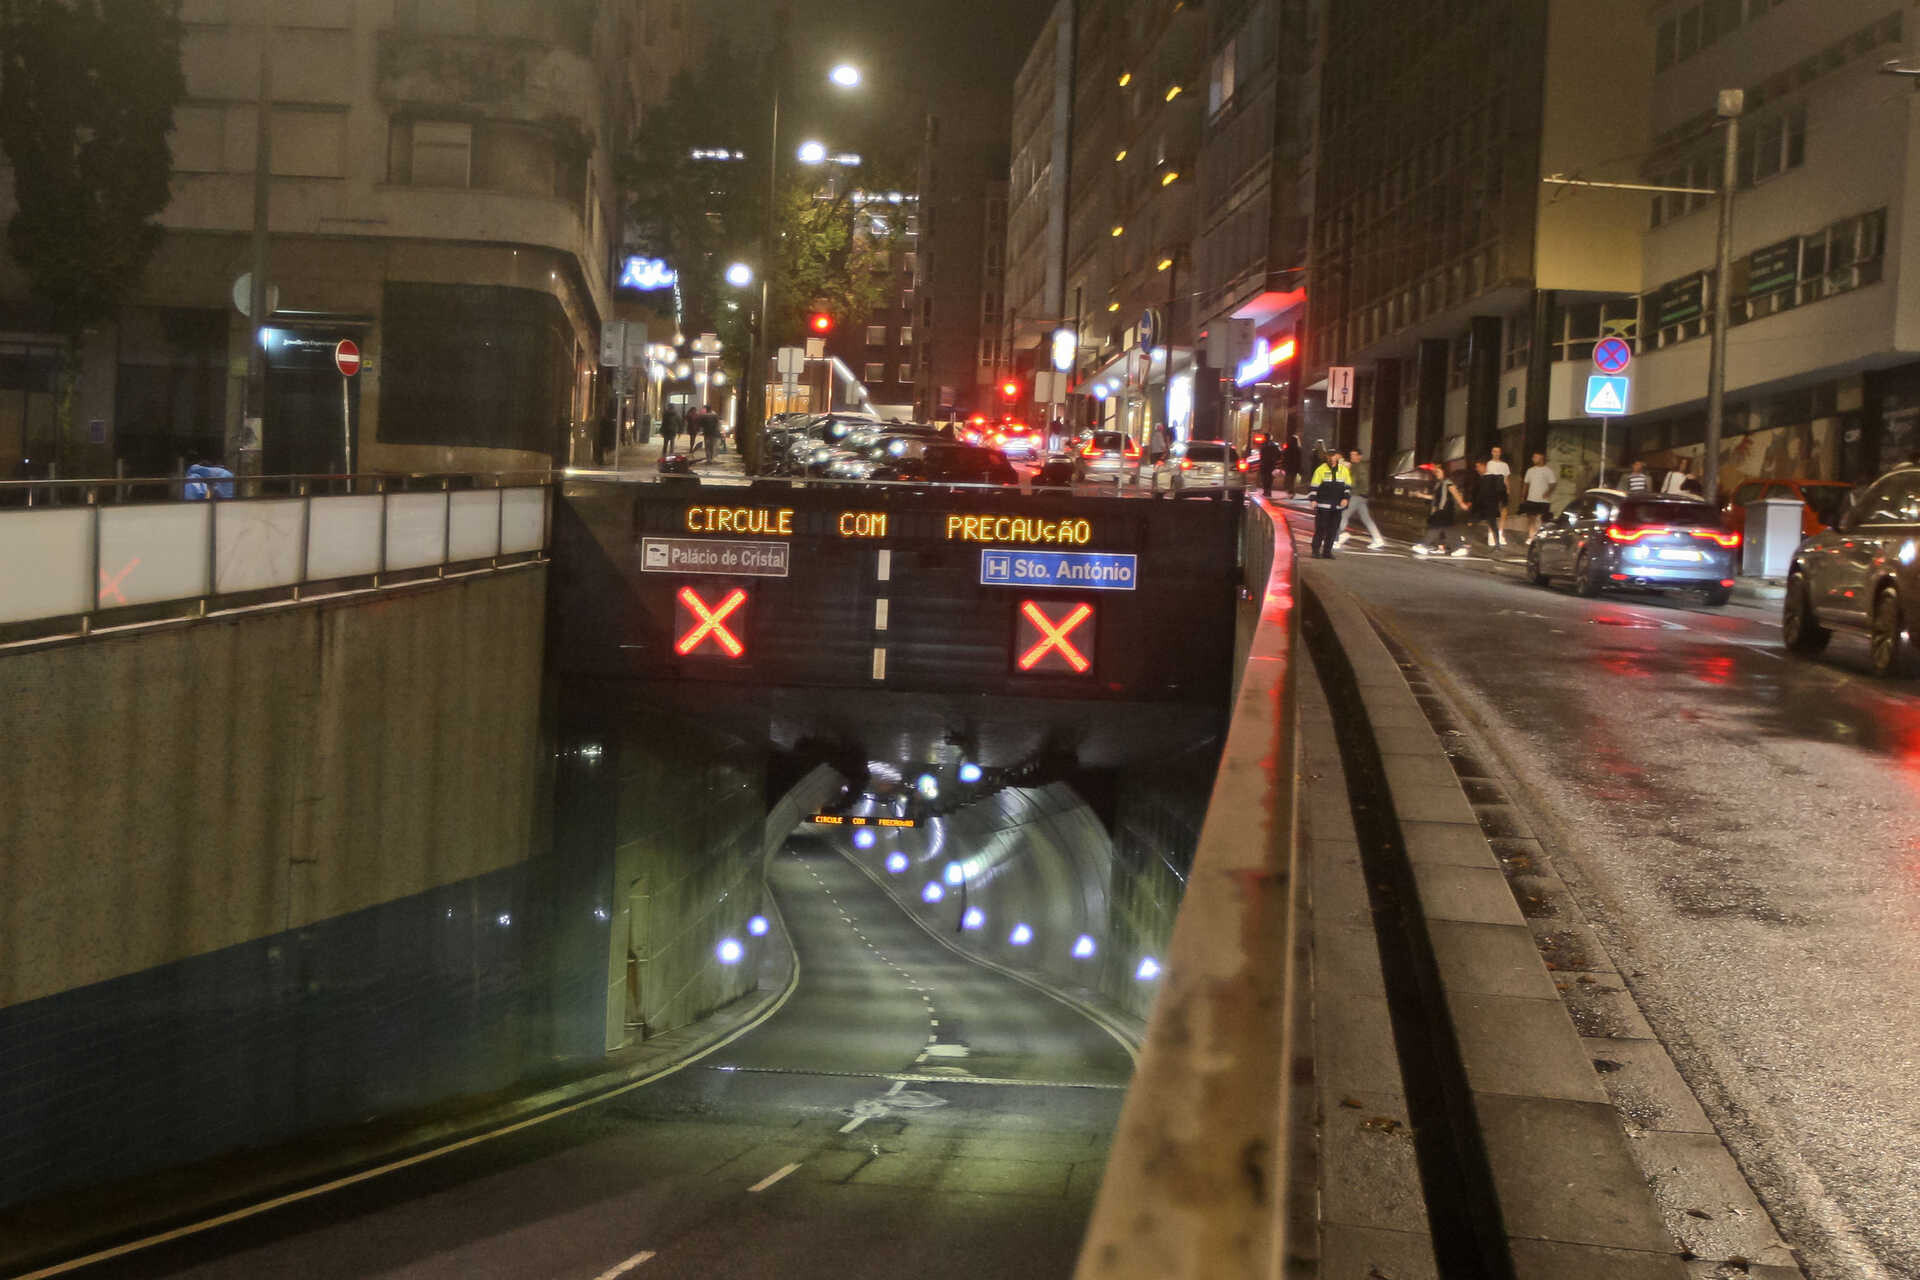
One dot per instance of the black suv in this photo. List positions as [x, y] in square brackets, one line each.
[1607, 538]
[1862, 575]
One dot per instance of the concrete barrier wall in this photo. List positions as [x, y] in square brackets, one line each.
[268, 872]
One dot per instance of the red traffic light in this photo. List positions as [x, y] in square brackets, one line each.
[1010, 389]
[820, 322]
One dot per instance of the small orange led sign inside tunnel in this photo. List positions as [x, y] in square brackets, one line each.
[1046, 641]
[701, 625]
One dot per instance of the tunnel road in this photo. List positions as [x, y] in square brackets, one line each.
[907, 1113]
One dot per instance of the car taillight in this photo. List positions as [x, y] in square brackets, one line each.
[1091, 451]
[1132, 450]
[1724, 539]
[1034, 439]
[1242, 464]
[1616, 534]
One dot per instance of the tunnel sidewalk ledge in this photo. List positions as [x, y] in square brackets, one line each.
[52, 1238]
[1197, 1177]
[1572, 1201]
[1757, 590]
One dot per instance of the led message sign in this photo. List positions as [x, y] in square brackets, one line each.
[762, 520]
[1029, 529]
[850, 820]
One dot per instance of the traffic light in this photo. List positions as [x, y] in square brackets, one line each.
[1010, 389]
[820, 323]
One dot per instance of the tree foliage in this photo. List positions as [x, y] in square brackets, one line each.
[87, 92]
[701, 214]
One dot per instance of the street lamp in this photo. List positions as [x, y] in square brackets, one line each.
[845, 76]
[739, 275]
[811, 152]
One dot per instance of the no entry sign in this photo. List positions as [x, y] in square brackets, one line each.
[346, 356]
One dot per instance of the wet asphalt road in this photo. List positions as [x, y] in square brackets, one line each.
[1744, 825]
[841, 1139]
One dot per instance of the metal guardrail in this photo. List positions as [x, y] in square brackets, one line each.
[82, 548]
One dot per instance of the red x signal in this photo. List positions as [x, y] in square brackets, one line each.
[706, 622]
[1044, 644]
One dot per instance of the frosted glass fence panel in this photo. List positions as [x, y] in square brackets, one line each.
[154, 553]
[151, 552]
[416, 530]
[259, 544]
[474, 525]
[44, 556]
[523, 520]
[343, 538]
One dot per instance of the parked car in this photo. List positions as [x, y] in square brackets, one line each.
[1862, 575]
[1107, 455]
[944, 463]
[1821, 501]
[1016, 440]
[1199, 466]
[1606, 538]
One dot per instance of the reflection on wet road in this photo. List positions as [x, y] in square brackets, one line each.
[1746, 827]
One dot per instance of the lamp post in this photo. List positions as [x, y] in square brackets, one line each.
[846, 76]
[1732, 102]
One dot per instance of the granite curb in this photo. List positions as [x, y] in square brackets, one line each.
[1572, 1199]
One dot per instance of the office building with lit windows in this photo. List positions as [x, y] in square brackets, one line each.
[1823, 364]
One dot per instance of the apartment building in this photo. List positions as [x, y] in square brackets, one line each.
[441, 194]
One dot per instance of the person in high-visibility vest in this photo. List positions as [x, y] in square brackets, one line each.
[1330, 490]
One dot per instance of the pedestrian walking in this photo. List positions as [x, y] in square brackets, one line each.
[1637, 479]
[1442, 515]
[1676, 481]
[1489, 501]
[197, 488]
[1157, 443]
[1292, 462]
[1497, 463]
[709, 430]
[1357, 501]
[1269, 463]
[1538, 484]
[670, 424]
[1329, 490]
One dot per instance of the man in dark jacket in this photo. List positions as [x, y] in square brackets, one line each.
[670, 423]
[1293, 462]
[1269, 463]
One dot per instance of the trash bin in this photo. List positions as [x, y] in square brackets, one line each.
[1771, 537]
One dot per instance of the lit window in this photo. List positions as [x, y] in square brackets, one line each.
[876, 373]
[876, 335]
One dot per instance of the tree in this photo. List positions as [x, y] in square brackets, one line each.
[701, 213]
[87, 92]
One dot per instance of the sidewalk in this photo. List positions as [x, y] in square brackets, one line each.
[640, 463]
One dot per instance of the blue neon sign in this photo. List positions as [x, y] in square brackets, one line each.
[647, 274]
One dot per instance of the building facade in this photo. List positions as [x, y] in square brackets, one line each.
[1823, 353]
[963, 190]
[441, 194]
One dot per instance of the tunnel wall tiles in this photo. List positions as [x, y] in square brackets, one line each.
[428, 997]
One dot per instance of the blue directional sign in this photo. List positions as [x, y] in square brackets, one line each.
[1095, 570]
[1606, 397]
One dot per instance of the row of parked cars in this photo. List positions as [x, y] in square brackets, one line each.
[852, 447]
[1857, 570]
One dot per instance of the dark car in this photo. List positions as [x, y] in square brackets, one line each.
[1862, 575]
[1606, 538]
[944, 463]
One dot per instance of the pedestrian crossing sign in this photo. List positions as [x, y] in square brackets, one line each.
[1606, 397]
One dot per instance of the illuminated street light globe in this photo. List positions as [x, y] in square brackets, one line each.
[846, 75]
[739, 275]
[812, 152]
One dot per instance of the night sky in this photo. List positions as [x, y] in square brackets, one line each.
[960, 56]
